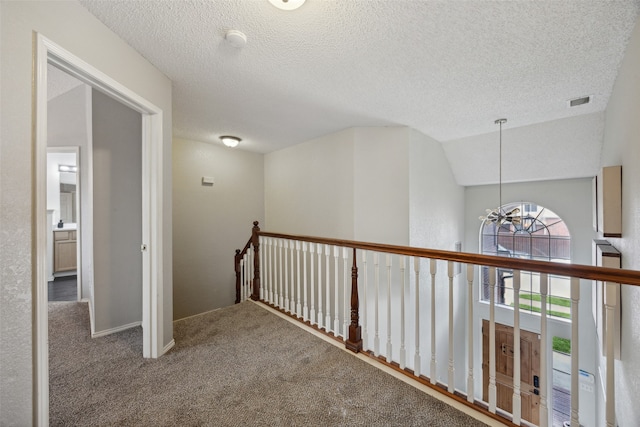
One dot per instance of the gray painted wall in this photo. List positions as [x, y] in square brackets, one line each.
[211, 222]
[73, 27]
[117, 213]
[622, 147]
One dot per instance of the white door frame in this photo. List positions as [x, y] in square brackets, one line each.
[152, 188]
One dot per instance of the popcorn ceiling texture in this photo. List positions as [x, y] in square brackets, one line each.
[446, 69]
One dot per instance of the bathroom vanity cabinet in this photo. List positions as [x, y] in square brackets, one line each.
[64, 250]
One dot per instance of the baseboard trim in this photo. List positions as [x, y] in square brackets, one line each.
[116, 329]
[168, 346]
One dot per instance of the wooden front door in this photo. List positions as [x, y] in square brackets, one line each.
[529, 370]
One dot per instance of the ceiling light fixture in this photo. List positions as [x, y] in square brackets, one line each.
[287, 4]
[67, 168]
[499, 216]
[230, 141]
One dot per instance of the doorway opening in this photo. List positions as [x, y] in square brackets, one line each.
[48, 52]
[64, 247]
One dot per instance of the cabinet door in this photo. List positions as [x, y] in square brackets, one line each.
[64, 255]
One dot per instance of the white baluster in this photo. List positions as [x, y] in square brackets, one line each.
[610, 302]
[336, 287]
[575, 374]
[470, 352]
[271, 269]
[327, 302]
[517, 398]
[365, 319]
[492, 340]
[417, 360]
[544, 410]
[320, 318]
[433, 269]
[274, 271]
[389, 354]
[242, 298]
[246, 273]
[312, 311]
[298, 304]
[261, 239]
[346, 287]
[451, 383]
[403, 352]
[305, 307]
[286, 275]
[280, 278]
[290, 272]
[376, 270]
[251, 254]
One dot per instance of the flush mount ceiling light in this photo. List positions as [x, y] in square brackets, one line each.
[230, 141]
[287, 4]
[499, 215]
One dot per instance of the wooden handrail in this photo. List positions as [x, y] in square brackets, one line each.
[628, 277]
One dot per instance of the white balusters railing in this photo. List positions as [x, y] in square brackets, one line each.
[451, 384]
[516, 398]
[492, 339]
[310, 280]
[544, 410]
[365, 318]
[403, 351]
[432, 372]
[336, 287]
[417, 360]
[470, 302]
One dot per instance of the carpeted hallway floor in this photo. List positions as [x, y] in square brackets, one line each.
[238, 366]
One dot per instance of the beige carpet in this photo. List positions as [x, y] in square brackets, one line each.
[238, 366]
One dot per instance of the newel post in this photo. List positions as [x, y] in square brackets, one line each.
[354, 341]
[255, 241]
[236, 263]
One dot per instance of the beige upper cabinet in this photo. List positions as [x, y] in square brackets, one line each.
[608, 187]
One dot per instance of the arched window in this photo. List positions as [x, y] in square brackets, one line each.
[541, 235]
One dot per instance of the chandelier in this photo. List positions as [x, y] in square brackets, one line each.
[499, 216]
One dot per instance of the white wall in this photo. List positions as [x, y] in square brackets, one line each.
[211, 222]
[309, 188]
[74, 28]
[381, 185]
[572, 201]
[436, 221]
[622, 147]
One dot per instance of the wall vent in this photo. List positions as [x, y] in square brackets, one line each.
[580, 101]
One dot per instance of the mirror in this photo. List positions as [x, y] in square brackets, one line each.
[68, 197]
[62, 185]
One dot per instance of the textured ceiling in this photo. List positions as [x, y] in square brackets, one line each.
[445, 68]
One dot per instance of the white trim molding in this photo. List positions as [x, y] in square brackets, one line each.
[114, 330]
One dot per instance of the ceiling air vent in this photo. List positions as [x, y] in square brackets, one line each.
[579, 101]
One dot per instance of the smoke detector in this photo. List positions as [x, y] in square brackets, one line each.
[236, 38]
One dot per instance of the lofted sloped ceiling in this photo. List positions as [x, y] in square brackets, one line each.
[445, 68]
